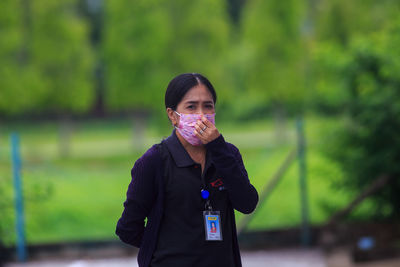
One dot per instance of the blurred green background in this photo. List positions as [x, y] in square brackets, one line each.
[82, 82]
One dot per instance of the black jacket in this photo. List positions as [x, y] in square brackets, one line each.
[145, 196]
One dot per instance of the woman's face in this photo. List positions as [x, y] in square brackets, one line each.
[197, 100]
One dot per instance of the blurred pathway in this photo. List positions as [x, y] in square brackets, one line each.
[279, 258]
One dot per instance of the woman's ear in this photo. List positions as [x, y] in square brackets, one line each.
[172, 117]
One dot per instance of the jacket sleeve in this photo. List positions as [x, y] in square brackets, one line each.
[229, 164]
[140, 198]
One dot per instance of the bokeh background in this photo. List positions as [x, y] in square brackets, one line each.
[82, 83]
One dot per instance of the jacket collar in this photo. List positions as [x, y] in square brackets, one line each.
[178, 152]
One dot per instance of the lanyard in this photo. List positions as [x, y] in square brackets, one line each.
[205, 194]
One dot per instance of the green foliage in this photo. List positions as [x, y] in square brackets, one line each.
[280, 55]
[336, 24]
[7, 211]
[274, 67]
[61, 53]
[338, 21]
[14, 98]
[328, 64]
[135, 37]
[368, 146]
[35, 193]
[46, 59]
[147, 43]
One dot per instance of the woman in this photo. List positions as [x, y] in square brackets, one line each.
[180, 186]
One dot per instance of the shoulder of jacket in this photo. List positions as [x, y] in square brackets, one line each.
[232, 147]
[151, 156]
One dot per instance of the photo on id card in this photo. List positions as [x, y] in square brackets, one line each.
[212, 225]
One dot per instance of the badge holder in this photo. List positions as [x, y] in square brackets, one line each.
[212, 221]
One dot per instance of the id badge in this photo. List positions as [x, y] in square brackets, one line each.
[212, 225]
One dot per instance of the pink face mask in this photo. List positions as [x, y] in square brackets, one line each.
[186, 126]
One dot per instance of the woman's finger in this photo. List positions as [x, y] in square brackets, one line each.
[199, 130]
[200, 136]
[206, 130]
[202, 125]
[206, 122]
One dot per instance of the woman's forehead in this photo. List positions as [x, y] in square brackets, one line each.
[198, 93]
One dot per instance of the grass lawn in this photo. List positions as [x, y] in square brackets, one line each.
[80, 197]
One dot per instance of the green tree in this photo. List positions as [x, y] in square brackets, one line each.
[7, 212]
[61, 52]
[336, 24]
[47, 63]
[148, 42]
[368, 147]
[20, 85]
[200, 40]
[272, 41]
[136, 36]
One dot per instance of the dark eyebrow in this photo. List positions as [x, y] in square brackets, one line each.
[191, 102]
[196, 102]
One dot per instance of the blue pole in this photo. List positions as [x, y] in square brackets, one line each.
[305, 228]
[19, 203]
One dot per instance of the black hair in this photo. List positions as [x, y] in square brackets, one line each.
[181, 84]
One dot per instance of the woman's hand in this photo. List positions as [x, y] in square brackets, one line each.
[206, 130]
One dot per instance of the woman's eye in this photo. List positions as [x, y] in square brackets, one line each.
[190, 107]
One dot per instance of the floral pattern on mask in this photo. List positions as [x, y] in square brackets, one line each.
[186, 126]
